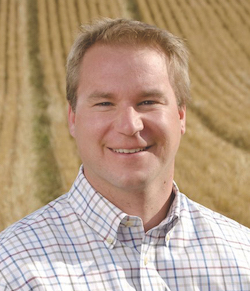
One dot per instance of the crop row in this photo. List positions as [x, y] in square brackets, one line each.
[219, 59]
[10, 87]
[58, 24]
[38, 158]
[215, 153]
[16, 117]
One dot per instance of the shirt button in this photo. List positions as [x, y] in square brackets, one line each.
[145, 261]
[129, 223]
[168, 237]
[109, 240]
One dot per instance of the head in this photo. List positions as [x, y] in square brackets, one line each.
[127, 105]
[133, 33]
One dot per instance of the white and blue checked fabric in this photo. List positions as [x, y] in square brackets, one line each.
[83, 242]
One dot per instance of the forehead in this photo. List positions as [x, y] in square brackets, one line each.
[104, 54]
[123, 71]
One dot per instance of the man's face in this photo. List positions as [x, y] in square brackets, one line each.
[126, 124]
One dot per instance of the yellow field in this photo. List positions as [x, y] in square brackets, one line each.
[38, 159]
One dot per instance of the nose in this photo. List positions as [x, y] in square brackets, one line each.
[128, 121]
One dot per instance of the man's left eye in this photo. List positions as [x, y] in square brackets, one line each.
[104, 104]
[148, 102]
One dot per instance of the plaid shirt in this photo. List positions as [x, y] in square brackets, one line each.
[83, 242]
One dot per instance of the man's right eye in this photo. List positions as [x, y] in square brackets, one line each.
[104, 104]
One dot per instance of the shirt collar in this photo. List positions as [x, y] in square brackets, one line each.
[173, 214]
[174, 210]
[98, 213]
[104, 217]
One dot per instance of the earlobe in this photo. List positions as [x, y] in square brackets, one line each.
[182, 114]
[71, 121]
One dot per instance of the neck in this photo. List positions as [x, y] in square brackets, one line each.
[152, 207]
[151, 203]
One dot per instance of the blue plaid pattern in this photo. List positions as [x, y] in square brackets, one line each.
[83, 242]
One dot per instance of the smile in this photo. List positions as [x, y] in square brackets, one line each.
[128, 151]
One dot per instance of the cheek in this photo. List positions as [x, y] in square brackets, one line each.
[166, 128]
[90, 128]
[159, 123]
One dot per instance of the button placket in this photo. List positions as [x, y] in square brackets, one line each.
[167, 238]
[150, 277]
[145, 260]
[145, 251]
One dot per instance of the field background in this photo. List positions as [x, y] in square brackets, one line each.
[38, 159]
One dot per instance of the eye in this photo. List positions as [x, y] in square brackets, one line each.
[148, 102]
[104, 104]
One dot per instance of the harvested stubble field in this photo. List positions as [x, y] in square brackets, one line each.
[38, 159]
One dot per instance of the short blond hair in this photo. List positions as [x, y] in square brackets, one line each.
[130, 32]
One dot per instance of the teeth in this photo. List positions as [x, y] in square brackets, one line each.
[127, 151]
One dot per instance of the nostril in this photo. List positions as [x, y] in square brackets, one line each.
[129, 122]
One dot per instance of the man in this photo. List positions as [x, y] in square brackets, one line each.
[124, 225]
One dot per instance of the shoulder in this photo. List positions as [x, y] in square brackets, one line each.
[205, 220]
[32, 228]
[33, 240]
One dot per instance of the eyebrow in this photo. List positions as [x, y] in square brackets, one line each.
[99, 94]
[153, 94]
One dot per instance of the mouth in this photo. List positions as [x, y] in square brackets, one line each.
[129, 151]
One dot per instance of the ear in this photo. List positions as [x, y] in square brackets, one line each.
[71, 121]
[182, 114]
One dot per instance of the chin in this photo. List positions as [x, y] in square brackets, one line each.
[131, 183]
